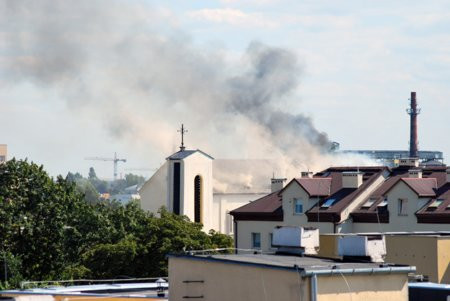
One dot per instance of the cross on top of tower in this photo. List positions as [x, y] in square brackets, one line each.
[182, 131]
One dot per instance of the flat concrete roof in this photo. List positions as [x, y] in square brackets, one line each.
[305, 264]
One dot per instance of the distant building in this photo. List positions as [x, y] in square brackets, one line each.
[3, 152]
[352, 200]
[277, 277]
[392, 157]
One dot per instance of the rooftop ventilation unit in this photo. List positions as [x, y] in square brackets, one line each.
[296, 240]
[363, 247]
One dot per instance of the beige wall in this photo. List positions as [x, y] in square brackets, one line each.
[230, 282]
[403, 222]
[430, 254]
[444, 260]
[329, 245]
[295, 191]
[290, 194]
[420, 251]
[246, 228]
[363, 287]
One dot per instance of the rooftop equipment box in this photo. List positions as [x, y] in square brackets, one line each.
[292, 238]
[373, 246]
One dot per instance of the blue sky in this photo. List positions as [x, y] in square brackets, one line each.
[359, 61]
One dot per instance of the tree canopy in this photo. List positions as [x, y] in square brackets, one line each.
[50, 232]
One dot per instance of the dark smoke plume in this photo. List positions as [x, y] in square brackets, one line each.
[117, 62]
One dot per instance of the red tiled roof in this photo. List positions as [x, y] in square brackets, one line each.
[315, 186]
[439, 215]
[432, 184]
[424, 187]
[266, 204]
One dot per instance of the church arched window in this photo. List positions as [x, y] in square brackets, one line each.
[198, 199]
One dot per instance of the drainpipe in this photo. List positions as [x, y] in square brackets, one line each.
[314, 287]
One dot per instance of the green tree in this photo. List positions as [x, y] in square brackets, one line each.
[86, 188]
[48, 231]
[92, 175]
[35, 210]
[132, 179]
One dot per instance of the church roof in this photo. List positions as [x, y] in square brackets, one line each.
[186, 153]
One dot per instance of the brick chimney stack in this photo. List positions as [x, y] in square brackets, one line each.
[413, 111]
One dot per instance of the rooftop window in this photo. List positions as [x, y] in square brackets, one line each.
[433, 206]
[384, 203]
[368, 204]
[328, 203]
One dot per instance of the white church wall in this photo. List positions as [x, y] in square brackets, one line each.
[154, 192]
[193, 165]
[223, 203]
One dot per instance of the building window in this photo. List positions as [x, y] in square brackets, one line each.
[176, 187]
[298, 206]
[368, 204]
[229, 221]
[433, 206]
[402, 207]
[198, 199]
[256, 240]
[271, 240]
[327, 204]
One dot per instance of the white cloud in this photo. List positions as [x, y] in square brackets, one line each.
[233, 17]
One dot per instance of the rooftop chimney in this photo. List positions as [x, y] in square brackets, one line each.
[413, 111]
[277, 184]
[415, 173]
[352, 179]
[307, 174]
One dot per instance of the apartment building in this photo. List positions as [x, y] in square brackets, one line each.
[351, 200]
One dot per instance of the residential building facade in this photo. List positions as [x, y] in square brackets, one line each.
[352, 200]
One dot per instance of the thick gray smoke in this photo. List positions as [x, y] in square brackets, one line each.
[126, 66]
[272, 76]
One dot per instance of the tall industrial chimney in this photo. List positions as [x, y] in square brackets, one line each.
[413, 111]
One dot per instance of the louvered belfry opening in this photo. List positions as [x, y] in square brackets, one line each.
[198, 199]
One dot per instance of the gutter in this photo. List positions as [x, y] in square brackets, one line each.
[330, 272]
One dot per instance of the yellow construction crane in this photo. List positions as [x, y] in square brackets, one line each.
[115, 161]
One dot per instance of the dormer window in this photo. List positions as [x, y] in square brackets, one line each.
[433, 206]
[328, 203]
[368, 204]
